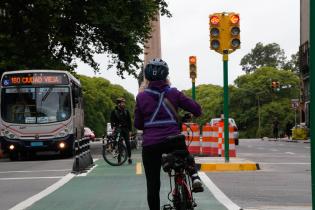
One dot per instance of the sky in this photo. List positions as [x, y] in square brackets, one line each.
[187, 33]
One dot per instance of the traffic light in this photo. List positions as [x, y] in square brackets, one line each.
[193, 67]
[234, 31]
[224, 32]
[275, 85]
[214, 22]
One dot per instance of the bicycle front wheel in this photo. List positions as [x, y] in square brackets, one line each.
[114, 153]
[183, 202]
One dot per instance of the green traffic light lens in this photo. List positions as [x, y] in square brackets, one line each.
[215, 44]
[235, 43]
[214, 32]
[235, 31]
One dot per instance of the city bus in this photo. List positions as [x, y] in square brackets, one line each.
[41, 110]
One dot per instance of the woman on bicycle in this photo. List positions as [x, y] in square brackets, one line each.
[158, 121]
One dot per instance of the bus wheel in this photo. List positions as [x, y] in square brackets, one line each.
[14, 156]
[67, 153]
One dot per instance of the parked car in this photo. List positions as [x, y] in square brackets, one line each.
[89, 133]
[232, 122]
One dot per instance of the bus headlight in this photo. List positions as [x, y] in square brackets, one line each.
[62, 145]
[63, 133]
[9, 135]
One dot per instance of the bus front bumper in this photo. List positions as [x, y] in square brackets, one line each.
[55, 144]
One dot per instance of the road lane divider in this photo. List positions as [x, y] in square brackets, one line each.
[138, 168]
[30, 201]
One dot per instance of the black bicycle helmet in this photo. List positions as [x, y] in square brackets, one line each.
[156, 69]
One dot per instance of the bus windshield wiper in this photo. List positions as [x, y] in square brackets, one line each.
[46, 94]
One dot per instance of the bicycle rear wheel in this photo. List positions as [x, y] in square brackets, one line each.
[183, 202]
[115, 153]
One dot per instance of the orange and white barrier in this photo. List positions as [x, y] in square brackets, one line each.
[213, 140]
[192, 134]
[232, 149]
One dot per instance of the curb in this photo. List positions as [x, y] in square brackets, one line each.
[220, 167]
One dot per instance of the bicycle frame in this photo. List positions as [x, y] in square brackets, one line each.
[180, 178]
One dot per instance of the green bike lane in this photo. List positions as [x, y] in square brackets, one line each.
[114, 188]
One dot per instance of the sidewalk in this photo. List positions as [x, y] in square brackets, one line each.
[114, 188]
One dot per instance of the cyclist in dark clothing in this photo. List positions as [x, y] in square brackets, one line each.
[120, 118]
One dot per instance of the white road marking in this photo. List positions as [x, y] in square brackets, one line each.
[217, 193]
[35, 171]
[290, 153]
[86, 173]
[25, 178]
[307, 147]
[30, 201]
[249, 146]
[274, 150]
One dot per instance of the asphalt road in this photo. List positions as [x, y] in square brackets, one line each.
[284, 179]
[22, 179]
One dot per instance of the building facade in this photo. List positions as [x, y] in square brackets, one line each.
[304, 61]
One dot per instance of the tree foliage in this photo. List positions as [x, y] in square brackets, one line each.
[252, 94]
[268, 55]
[51, 34]
[99, 100]
[210, 98]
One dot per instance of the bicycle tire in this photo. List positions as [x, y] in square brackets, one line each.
[115, 153]
[183, 202]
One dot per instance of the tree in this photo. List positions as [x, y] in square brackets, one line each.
[52, 34]
[253, 98]
[293, 64]
[269, 55]
[99, 100]
[210, 97]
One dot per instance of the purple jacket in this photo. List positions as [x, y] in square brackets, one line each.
[147, 103]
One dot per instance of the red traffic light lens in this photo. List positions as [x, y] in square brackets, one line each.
[214, 20]
[192, 59]
[235, 19]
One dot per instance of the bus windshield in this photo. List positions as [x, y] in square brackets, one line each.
[35, 105]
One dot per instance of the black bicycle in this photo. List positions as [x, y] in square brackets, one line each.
[114, 150]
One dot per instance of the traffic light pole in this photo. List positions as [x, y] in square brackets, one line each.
[193, 90]
[226, 107]
[312, 96]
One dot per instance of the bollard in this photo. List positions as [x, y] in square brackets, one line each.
[83, 158]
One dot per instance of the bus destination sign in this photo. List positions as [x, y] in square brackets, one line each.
[34, 79]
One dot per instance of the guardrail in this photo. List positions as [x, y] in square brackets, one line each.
[83, 158]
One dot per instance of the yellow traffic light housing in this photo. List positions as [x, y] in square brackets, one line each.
[193, 67]
[224, 32]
